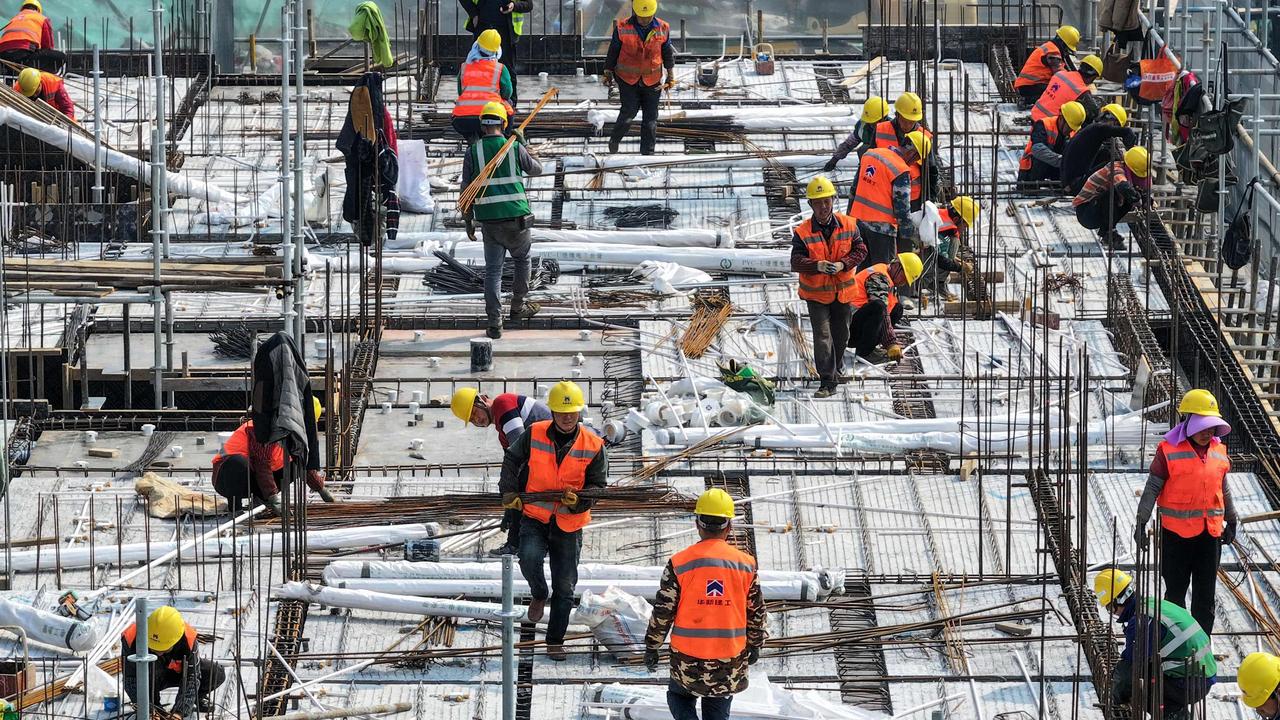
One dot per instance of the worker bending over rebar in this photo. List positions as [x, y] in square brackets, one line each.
[177, 665]
[1110, 193]
[877, 307]
[247, 468]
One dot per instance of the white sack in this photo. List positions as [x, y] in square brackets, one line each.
[618, 620]
[664, 276]
[49, 628]
[414, 184]
[928, 220]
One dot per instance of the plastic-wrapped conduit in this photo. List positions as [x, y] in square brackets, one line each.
[692, 237]
[47, 628]
[391, 602]
[793, 589]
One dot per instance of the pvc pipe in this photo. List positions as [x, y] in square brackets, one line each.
[393, 602]
[48, 628]
[690, 237]
[409, 570]
[795, 589]
[508, 638]
[142, 671]
[382, 709]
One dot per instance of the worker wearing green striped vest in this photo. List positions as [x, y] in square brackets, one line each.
[503, 211]
[1157, 634]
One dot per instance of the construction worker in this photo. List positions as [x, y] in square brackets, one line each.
[863, 137]
[1188, 482]
[26, 33]
[956, 218]
[908, 117]
[503, 211]
[483, 80]
[639, 52]
[709, 599]
[563, 456]
[509, 414]
[1089, 149]
[825, 251]
[1045, 60]
[40, 85]
[881, 201]
[1043, 154]
[876, 306]
[1180, 646]
[507, 18]
[246, 468]
[177, 665]
[1258, 676]
[1110, 193]
[1068, 85]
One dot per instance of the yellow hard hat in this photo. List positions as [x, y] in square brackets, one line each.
[494, 109]
[912, 266]
[819, 187]
[165, 627]
[1197, 402]
[29, 81]
[35, 4]
[1257, 677]
[566, 397]
[874, 109]
[644, 8]
[909, 106]
[316, 408]
[490, 41]
[716, 503]
[1069, 35]
[1137, 160]
[1073, 112]
[1110, 585]
[1118, 112]
[464, 400]
[1092, 62]
[921, 143]
[968, 209]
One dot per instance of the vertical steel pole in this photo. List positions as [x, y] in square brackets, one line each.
[142, 659]
[158, 202]
[97, 128]
[508, 638]
[300, 210]
[286, 247]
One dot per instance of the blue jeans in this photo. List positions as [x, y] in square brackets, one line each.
[502, 237]
[538, 542]
[682, 705]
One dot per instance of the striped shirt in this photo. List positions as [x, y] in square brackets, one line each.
[513, 413]
[1113, 175]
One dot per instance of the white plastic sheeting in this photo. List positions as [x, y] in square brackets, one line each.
[48, 628]
[414, 182]
[664, 276]
[717, 161]
[388, 602]
[693, 237]
[794, 589]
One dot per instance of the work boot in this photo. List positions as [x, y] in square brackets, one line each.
[614, 145]
[536, 607]
[825, 391]
[204, 705]
[494, 332]
[524, 310]
[648, 137]
[504, 550]
[555, 651]
[1115, 240]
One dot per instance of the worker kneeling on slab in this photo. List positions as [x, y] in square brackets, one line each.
[638, 53]
[555, 460]
[876, 306]
[247, 468]
[710, 601]
[1110, 193]
[1159, 637]
[1045, 60]
[1042, 158]
[177, 664]
[1258, 678]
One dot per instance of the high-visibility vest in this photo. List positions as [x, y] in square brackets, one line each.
[502, 195]
[481, 84]
[711, 619]
[130, 635]
[1191, 499]
[26, 26]
[1184, 649]
[887, 137]
[948, 230]
[546, 475]
[641, 57]
[916, 170]
[1157, 77]
[1034, 71]
[517, 21]
[1051, 139]
[887, 134]
[1064, 86]
[860, 298]
[873, 196]
[821, 287]
[238, 444]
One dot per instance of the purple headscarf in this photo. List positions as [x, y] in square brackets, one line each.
[1194, 424]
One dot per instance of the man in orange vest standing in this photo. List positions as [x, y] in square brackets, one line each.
[482, 80]
[1068, 85]
[877, 309]
[1043, 154]
[881, 201]
[40, 85]
[26, 33]
[710, 601]
[1043, 62]
[1188, 481]
[638, 53]
[825, 252]
[177, 664]
[561, 457]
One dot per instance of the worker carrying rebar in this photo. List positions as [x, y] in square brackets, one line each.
[1068, 85]
[1042, 157]
[908, 118]
[481, 81]
[863, 137]
[177, 665]
[510, 414]
[503, 211]
[881, 201]
[1188, 483]
[639, 52]
[247, 468]
[1258, 678]
[40, 85]
[709, 599]
[1044, 61]
[940, 260]
[825, 251]
[1090, 149]
[506, 17]
[1159, 637]
[26, 33]
[1110, 193]
[560, 455]
[876, 305]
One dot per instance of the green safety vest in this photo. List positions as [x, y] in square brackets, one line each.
[1184, 646]
[517, 20]
[502, 196]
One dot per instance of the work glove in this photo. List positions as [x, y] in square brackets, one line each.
[274, 502]
[1140, 538]
[1229, 532]
[325, 495]
[651, 660]
[508, 8]
[471, 230]
[518, 134]
[569, 499]
[670, 81]
[753, 654]
[315, 478]
[1130, 193]
[835, 267]
[895, 352]
[511, 501]
[830, 166]
[607, 78]
[966, 267]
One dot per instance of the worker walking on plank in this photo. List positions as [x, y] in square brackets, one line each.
[863, 137]
[482, 80]
[1188, 482]
[1159, 637]
[908, 118]
[957, 219]
[1068, 85]
[825, 251]
[40, 85]
[876, 306]
[246, 468]
[177, 665]
[1042, 157]
[510, 415]
[503, 211]
[638, 53]
[1089, 149]
[562, 456]
[506, 17]
[1110, 193]
[1258, 678]
[881, 202]
[1045, 60]
[710, 601]
[26, 33]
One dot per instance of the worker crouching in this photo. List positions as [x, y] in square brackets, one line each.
[247, 468]
[1110, 193]
[177, 664]
[1043, 62]
[876, 306]
[40, 85]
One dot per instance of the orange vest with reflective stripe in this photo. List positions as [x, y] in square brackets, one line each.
[711, 619]
[821, 287]
[26, 26]
[886, 134]
[481, 84]
[641, 57]
[860, 298]
[1191, 499]
[1157, 77]
[1064, 86]
[1034, 71]
[188, 633]
[873, 197]
[1051, 136]
[950, 224]
[545, 475]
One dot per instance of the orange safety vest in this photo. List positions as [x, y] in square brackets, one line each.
[1157, 77]
[545, 475]
[873, 197]
[1064, 86]
[238, 444]
[821, 287]
[1034, 71]
[481, 84]
[860, 286]
[711, 619]
[887, 137]
[188, 633]
[886, 134]
[640, 58]
[1191, 499]
[28, 26]
[1051, 135]
[949, 222]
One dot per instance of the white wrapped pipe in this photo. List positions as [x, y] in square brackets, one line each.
[48, 628]
[691, 237]
[797, 589]
[621, 162]
[390, 602]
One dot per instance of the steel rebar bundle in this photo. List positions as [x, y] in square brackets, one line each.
[237, 341]
[711, 310]
[453, 278]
